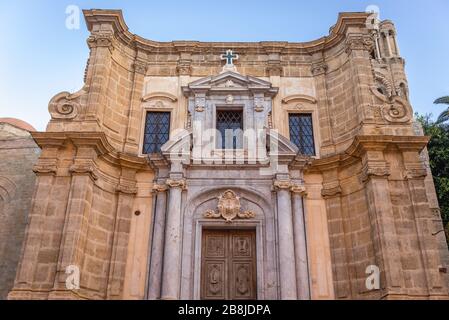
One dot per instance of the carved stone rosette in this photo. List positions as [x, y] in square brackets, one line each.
[229, 208]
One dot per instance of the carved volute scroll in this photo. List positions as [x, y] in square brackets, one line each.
[229, 208]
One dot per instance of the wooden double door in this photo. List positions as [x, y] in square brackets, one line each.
[228, 265]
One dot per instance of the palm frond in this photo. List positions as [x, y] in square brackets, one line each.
[442, 100]
[444, 116]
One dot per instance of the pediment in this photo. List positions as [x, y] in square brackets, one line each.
[229, 81]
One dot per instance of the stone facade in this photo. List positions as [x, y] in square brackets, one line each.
[132, 223]
[18, 153]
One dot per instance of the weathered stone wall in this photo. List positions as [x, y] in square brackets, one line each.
[18, 153]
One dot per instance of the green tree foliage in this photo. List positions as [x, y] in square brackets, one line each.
[439, 162]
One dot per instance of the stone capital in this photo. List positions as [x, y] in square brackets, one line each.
[84, 168]
[379, 171]
[184, 67]
[127, 189]
[159, 188]
[282, 184]
[100, 41]
[415, 173]
[140, 67]
[319, 68]
[298, 189]
[274, 68]
[46, 167]
[359, 42]
[331, 189]
[181, 183]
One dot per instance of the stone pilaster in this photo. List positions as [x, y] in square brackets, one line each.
[126, 190]
[133, 128]
[319, 70]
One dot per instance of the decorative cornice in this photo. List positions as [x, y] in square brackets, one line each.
[95, 140]
[362, 144]
[160, 95]
[299, 98]
[114, 18]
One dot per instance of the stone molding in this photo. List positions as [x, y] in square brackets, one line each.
[95, 140]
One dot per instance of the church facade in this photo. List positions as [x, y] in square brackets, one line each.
[269, 170]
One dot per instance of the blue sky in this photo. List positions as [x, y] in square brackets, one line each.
[40, 57]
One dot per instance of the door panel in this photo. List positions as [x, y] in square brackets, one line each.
[228, 267]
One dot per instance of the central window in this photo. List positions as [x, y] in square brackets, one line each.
[230, 129]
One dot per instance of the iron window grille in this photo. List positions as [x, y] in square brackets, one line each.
[157, 131]
[301, 133]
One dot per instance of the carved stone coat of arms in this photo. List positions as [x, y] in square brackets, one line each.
[229, 208]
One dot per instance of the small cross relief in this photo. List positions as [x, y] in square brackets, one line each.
[229, 208]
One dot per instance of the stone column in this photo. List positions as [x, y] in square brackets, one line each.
[376, 42]
[286, 244]
[396, 46]
[299, 226]
[387, 39]
[171, 275]
[157, 243]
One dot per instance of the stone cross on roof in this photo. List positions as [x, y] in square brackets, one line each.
[229, 56]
